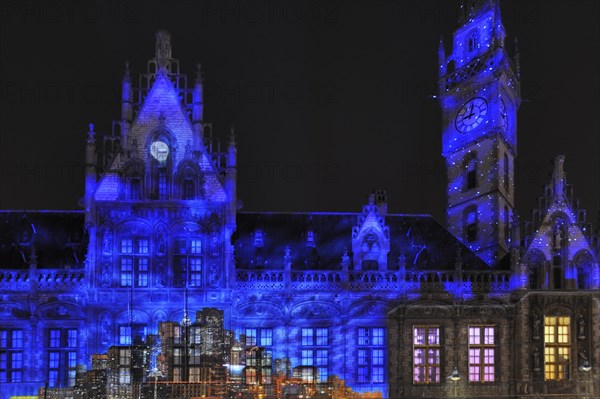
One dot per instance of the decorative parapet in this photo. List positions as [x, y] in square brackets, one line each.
[399, 281]
[41, 280]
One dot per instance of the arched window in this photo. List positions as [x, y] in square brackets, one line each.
[160, 159]
[133, 174]
[506, 173]
[583, 261]
[535, 262]
[470, 174]
[370, 252]
[470, 222]
[189, 182]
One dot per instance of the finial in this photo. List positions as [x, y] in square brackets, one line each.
[198, 72]
[558, 177]
[127, 74]
[232, 136]
[517, 61]
[91, 132]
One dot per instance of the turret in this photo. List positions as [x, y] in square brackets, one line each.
[231, 175]
[90, 174]
[197, 109]
[442, 58]
[126, 107]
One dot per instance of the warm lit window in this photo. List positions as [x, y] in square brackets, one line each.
[426, 354]
[481, 354]
[371, 354]
[187, 262]
[557, 350]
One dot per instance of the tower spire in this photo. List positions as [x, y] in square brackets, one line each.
[559, 179]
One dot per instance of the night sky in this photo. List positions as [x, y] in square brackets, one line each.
[329, 100]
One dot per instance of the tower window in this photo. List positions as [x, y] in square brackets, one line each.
[471, 225]
[472, 173]
[557, 348]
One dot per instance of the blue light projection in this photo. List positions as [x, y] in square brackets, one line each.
[161, 273]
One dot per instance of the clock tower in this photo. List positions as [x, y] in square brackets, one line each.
[479, 94]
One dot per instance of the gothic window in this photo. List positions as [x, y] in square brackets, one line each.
[535, 262]
[134, 256]
[370, 252]
[133, 173]
[470, 171]
[506, 167]
[315, 351]
[482, 353]
[557, 348]
[470, 223]
[426, 354]
[187, 262]
[583, 262]
[61, 356]
[371, 354]
[188, 178]
[160, 166]
[11, 355]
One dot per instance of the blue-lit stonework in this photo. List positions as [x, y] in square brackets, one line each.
[388, 305]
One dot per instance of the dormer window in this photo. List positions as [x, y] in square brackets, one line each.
[473, 42]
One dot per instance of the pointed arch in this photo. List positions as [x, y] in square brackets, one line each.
[133, 179]
[190, 181]
[160, 148]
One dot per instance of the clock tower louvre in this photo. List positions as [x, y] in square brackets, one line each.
[478, 89]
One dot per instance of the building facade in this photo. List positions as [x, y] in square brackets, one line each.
[388, 305]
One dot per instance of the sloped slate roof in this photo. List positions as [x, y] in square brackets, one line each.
[420, 238]
[58, 236]
[60, 240]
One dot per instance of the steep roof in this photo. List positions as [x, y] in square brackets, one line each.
[58, 236]
[424, 242]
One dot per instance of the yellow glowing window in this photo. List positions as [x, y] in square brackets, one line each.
[557, 349]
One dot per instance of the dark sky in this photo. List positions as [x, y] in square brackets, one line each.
[330, 100]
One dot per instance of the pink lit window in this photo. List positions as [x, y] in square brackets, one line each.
[482, 354]
[426, 355]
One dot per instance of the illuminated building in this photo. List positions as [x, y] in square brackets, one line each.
[386, 303]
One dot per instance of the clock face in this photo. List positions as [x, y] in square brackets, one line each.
[471, 115]
[503, 115]
[159, 150]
